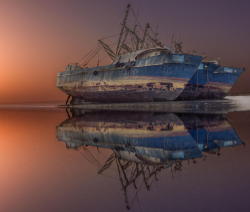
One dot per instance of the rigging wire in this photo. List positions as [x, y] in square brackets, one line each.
[87, 54]
[109, 36]
[139, 29]
[92, 158]
[91, 56]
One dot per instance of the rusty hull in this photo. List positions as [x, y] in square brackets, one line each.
[133, 85]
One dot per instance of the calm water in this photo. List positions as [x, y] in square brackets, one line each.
[120, 161]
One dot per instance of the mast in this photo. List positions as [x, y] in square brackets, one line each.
[123, 28]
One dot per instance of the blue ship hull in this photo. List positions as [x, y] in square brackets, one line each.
[211, 81]
[156, 78]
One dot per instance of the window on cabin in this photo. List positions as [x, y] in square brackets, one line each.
[228, 70]
[140, 62]
[201, 66]
[178, 58]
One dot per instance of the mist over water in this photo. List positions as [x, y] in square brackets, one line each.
[242, 103]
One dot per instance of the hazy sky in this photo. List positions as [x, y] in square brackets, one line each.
[39, 37]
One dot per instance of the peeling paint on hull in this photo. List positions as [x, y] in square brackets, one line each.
[211, 82]
[208, 91]
[145, 84]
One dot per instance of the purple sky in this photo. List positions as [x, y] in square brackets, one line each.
[38, 38]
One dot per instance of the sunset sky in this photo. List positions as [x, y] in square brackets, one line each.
[39, 37]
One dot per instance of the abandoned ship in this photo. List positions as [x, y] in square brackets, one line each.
[144, 70]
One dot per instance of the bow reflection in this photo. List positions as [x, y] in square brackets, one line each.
[143, 144]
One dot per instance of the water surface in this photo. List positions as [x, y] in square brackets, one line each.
[52, 162]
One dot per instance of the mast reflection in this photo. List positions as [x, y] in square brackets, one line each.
[143, 144]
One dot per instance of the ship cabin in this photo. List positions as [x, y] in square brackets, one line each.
[153, 56]
[215, 68]
[141, 58]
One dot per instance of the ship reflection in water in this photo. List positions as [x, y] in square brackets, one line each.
[145, 144]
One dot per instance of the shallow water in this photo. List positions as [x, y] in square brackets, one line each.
[50, 162]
